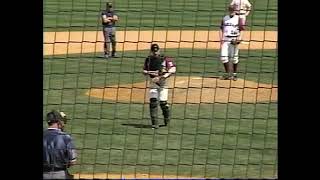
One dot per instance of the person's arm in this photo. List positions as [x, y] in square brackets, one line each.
[115, 18]
[73, 160]
[248, 7]
[171, 68]
[241, 29]
[171, 71]
[106, 19]
[221, 32]
[71, 152]
[145, 68]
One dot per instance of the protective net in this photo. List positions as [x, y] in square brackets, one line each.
[218, 128]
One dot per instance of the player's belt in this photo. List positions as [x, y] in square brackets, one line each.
[240, 13]
[231, 36]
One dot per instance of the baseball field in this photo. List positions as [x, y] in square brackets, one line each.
[219, 129]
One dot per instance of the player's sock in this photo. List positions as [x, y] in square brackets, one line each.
[113, 54]
[165, 111]
[226, 67]
[105, 48]
[154, 111]
[235, 67]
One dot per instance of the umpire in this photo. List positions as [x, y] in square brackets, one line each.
[109, 19]
[58, 148]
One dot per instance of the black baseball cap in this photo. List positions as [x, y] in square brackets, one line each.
[56, 116]
[109, 4]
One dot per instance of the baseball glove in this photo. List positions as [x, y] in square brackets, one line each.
[235, 41]
[157, 79]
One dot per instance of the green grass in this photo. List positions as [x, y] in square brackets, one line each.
[255, 65]
[64, 15]
[206, 140]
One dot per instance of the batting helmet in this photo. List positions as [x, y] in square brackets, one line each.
[56, 116]
[155, 47]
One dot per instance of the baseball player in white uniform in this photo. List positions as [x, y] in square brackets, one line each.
[243, 8]
[230, 37]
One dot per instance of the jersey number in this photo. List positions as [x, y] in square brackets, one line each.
[234, 32]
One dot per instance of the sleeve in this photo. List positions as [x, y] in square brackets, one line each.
[71, 149]
[172, 66]
[170, 62]
[232, 3]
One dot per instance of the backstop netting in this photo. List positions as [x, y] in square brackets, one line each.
[218, 128]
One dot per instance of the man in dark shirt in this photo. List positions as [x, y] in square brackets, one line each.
[59, 152]
[109, 19]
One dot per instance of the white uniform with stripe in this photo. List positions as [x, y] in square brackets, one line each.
[241, 8]
[230, 31]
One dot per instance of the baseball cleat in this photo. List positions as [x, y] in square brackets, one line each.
[166, 122]
[106, 55]
[226, 77]
[234, 77]
[155, 126]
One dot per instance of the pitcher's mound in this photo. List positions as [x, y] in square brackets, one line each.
[184, 89]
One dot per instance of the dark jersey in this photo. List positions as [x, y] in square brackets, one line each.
[158, 63]
[108, 14]
[58, 149]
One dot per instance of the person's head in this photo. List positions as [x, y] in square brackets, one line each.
[56, 119]
[155, 49]
[232, 10]
[109, 6]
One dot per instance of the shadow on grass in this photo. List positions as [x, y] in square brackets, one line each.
[140, 125]
[214, 77]
[137, 125]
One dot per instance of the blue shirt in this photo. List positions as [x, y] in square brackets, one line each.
[108, 14]
[58, 149]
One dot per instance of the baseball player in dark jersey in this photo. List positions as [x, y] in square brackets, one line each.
[158, 68]
[58, 148]
[109, 19]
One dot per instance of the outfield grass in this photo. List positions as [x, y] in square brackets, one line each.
[206, 140]
[65, 15]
